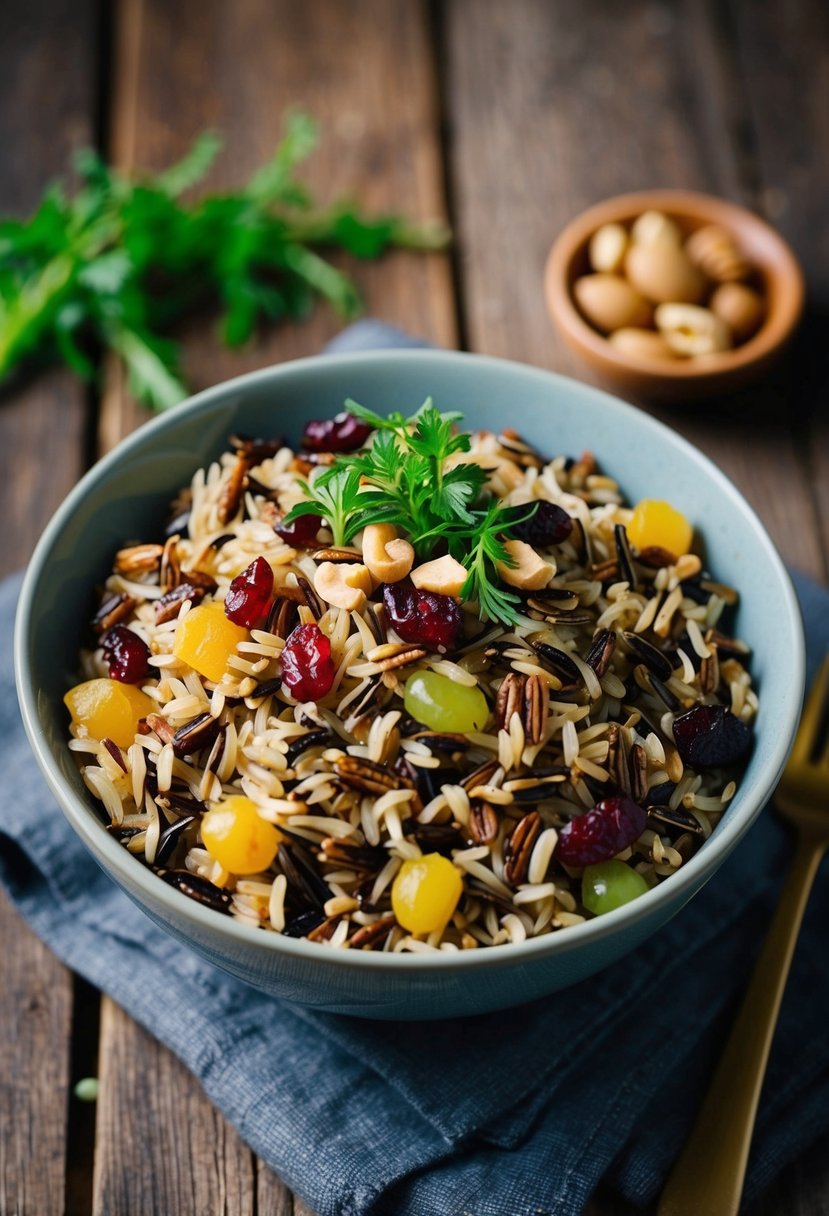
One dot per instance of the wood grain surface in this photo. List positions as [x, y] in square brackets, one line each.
[510, 118]
[47, 106]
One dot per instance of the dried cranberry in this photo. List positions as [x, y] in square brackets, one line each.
[127, 654]
[343, 433]
[303, 531]
[307, 667]
[709, 736]
[425, 617]
[612, 825]
[249, 597]
[548, 524]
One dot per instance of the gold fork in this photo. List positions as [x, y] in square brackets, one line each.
[707, 1178]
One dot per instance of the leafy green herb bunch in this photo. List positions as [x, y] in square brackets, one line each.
[116, 264]
[406, 476]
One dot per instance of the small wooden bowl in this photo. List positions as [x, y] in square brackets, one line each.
[775, 265]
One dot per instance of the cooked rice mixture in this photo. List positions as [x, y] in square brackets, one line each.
[582, 691]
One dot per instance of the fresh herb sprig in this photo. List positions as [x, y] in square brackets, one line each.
[401, 478]
[337, 496]
[115, 265]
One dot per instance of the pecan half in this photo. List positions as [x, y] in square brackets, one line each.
[519, 846]
[169, 605]
[113, 609]
[136, 558]
[233, 489]
[401, 656]
[535, 708]
[366, 775]
[510, 699]
[483, 822]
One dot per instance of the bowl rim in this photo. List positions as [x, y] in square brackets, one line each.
[131, 875]
[691, 204]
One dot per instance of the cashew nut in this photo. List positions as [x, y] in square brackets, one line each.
[716, 252]
[530, 572]
[608, 246]
[444, 575]
[387, 556]
[343, 584]
[691, 330]
[654, 228]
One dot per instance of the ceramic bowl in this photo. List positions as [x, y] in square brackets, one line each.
[127, 493]
[777, 269]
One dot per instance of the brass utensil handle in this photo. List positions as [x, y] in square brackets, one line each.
[708, 1174]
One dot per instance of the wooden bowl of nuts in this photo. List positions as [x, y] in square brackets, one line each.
[671, 294]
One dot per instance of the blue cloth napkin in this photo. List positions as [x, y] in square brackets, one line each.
[519, 1113]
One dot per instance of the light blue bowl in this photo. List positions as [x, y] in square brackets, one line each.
[126, 495]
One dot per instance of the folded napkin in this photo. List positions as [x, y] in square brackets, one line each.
[521, 1112]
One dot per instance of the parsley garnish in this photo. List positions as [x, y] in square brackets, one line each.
[336, 495]
[119, 262]
[401, 478]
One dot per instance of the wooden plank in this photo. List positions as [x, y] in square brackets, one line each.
[782, 61]
[377, 109]
[47, 77]
[553, 106]
[236, 68]
[167, 1152]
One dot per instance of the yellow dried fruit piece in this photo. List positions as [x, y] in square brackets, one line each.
[235, 835]
[205, 640]
[108, 709]
[658, 524]
[425, 893]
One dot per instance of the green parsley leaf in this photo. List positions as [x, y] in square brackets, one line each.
[404, 482]
[123, 259]
[336, 495]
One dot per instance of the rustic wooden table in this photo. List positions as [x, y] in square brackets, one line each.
[506, 117]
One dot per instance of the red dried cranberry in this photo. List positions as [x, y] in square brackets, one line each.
[343, 433]
[127, 654]
[249, 597]
[426, 617]
[612, 825]
[307, 667]
[548, 525]
[303, 531]
[709, 736]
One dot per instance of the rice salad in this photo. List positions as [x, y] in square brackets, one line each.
[410, 688]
